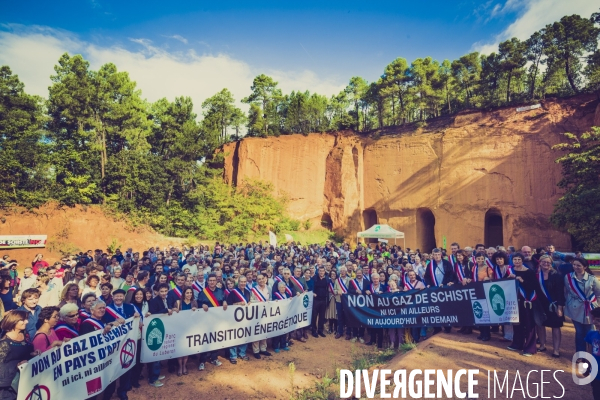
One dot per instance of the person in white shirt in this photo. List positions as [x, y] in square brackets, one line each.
[28, 281]
[191, 264]
[55, 283]
[260, 293]
[49, 295]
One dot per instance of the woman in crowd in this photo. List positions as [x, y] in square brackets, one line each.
[70, 295]
[92, 285]
[552, 298]
[581, 292]
[45, 337]
[524, 338]
[6, 295]
[68, 326]
[280, 342]
[116, 280]
[160, 279]
[230, 285]
[330, 312]
[14, 351]
[140, 302]
[186, 303]
[106, 289]
[395, 333]
[418, 267]
[482, 272]
[500, 262]
[86, 302]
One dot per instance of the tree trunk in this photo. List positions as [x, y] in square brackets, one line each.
[569, 77]
[508, 87]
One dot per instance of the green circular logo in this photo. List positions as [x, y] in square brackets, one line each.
[477, 309]
[305, 301]
[155, 335]
[497, 300]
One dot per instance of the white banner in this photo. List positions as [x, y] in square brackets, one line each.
[192, 332]
[81, 368]
[500, 305]
[272, 239]
[22, 241]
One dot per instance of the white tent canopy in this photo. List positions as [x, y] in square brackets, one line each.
[381, 232]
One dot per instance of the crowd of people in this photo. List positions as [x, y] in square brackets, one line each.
[96, 290]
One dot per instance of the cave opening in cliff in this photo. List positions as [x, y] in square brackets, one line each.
[425, 230]
[370, 219]
[326, 221]
[494, 235]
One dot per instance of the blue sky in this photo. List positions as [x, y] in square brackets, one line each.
[195, 48]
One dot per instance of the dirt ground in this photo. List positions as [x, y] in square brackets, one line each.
[269, 378]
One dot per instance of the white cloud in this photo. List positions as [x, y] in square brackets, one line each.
[177, 37]
[32, 52]
[534, 15]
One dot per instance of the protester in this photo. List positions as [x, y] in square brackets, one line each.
[68, 326]
[212, 296]
[552, 297]
[321, 296]
[70, 295]
[240, 296]
[279, 341]
[524, 337]
[186, 303]
[45, 337]
[582, 290]
[29, 303]
[15, 350]
[330, 311]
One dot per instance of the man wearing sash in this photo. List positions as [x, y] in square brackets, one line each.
[198, 285]
[300, 286]
[376, 333]
[260, 294]
[96, 323]
[341, 287]
[211, 296]
[439, 272]
[119, 312]
[358, 285]
[239, 296]
[285, 278]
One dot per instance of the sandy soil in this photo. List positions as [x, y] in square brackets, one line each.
[269, 378]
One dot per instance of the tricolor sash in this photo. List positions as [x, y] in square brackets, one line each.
[61, 326]
[280, 296]
[432, 272]
[210, 296]
[197, 286]
[132, 289]
[83, 314]
[177, 291]
[357, 286]
[279, 278]
[373, 288]
[227, 291]
[287, 288]
[240, 295]
[113, 312]
[459, 271]
[542, 282]
[510, 270]
[331, 287]
[261, 297]
[495, 268]
[587, 301]
[528, 300]
[297, 282]
[94, 322]
[343, 286]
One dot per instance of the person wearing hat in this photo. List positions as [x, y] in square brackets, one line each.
[119, 311]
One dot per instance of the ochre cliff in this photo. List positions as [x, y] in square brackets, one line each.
[474, 177]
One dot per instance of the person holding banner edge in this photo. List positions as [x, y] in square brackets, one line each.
[211, 296]
[260, 293]
[239, 296]
[158, 305]
[439, 272]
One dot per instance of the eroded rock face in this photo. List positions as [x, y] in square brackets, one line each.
[481, 177]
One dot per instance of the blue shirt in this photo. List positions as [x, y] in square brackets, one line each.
[593, 338]
[31, 328]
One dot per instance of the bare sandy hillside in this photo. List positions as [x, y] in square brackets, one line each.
[73, 229]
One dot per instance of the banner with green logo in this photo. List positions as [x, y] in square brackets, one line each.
[192, 332]
[478, 303]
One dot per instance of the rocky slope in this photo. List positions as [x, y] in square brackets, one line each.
[472, 177]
